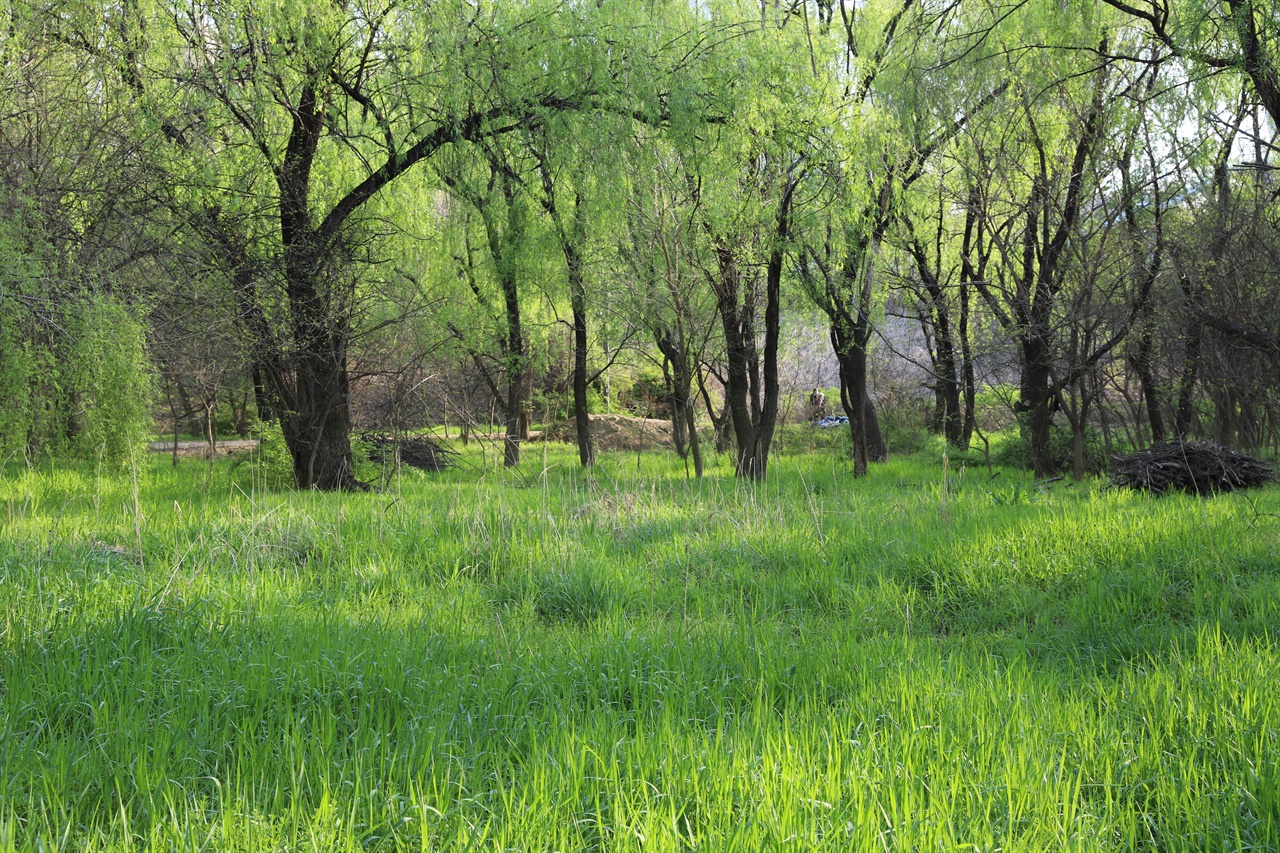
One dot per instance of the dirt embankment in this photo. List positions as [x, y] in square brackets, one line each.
[201, 448]
[623, 432]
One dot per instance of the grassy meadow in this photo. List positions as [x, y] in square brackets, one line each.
[925, 659]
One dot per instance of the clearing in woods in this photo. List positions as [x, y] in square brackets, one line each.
[633, 660]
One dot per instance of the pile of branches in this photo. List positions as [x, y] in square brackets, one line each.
[415, 451]
[1200, 467]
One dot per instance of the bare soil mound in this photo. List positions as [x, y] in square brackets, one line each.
[201, 448]
[623, 432]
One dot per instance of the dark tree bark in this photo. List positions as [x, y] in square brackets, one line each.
[721, 424]
[572, 237]
[684, 428]
[1027, 311]
[752, 397]
[1142, 361]
[969, 380]
[935, 321]
[504, 226]
[1193, 341]
[844, 291]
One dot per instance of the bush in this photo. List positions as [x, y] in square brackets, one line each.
[806, 438]
[272, 465]
[110, 376]
[1017, 452]
[905, 436]
[16, 371]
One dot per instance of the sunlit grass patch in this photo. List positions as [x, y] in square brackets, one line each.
[633, 660]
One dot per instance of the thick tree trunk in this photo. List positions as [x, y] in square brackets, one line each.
[679, 386]
[737, 386]
[948, 383]
[318, 430]
[853, 390]
[864, 425]
[1035, 405]
[752, 395]
[935, 322]
[514, 412]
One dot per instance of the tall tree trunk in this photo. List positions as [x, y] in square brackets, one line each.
[969, 380]
[864, 425]
[752, 397]
[318, 424]
[947, 379]
[317, 430]
[1184, 415]
[572, 236]
[581, 416]
[1035, 403]
[679, 383]
[515, 391]
[935, 321]
[737, 385]
[1150, 391]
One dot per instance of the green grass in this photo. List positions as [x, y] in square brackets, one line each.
[635, 661]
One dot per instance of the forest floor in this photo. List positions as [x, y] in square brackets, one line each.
[925, 658]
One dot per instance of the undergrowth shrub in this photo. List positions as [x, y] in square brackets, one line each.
[80, 383]
[271, 466]
[1016, 453]
[109, 369]
[794, 439]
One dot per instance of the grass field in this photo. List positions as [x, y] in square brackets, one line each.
[635, 661]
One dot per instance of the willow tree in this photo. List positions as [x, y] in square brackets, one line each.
[743, 180]
[81, 236]
[1221, 36]
[284, 121]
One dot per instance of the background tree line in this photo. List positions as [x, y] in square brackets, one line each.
[395, 213]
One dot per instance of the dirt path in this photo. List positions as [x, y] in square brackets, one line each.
[201, 448]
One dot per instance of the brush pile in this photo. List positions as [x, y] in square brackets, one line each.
[415, 451]
[1199, 467]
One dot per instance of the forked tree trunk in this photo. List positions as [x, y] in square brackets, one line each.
[752, 399]
[864, 425]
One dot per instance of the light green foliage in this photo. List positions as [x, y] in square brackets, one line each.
[110, 377]
[81, 384]
[16, 369]
[270, 466]
[635, 661]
